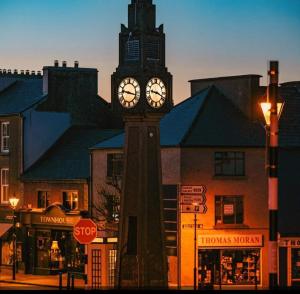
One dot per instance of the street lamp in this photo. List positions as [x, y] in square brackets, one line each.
[13, 203]
[272, 110]
[196, 209]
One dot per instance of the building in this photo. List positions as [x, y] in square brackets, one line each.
[48, 122]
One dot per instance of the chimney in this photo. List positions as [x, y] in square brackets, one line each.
[33, 73]
[0, 71]
[76, 64]
[27, 72]
[9, 71]
[64, 64]
[56, 64]
[22, 72]
[4, 71]
[15, 71]
[39, 73]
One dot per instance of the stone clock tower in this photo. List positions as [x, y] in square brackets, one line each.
[142, 93]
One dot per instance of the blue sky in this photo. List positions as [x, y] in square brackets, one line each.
[205, 38]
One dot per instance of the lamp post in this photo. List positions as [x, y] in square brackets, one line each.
[13, 203]
[196, 209]
[272, 111]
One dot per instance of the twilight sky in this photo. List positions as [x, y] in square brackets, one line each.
[205, 38]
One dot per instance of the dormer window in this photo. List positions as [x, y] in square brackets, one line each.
[5, 137]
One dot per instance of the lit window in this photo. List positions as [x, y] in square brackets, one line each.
[4, 137]
[43, 199]
[70, 200]
[229, 210]
[4, 185]
[229, 164]
[112, 267]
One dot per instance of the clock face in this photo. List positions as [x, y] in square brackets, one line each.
[156, 93]
[129, 92]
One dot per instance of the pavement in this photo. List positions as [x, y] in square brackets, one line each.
[47, 282]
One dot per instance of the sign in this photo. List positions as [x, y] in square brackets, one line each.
[190, 199]
[230, 241]
[193, 189]
[289, 243]
[228, 209]
[202, 209]
[85, 231]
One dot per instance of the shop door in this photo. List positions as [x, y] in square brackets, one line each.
[208, 268]
[96, 268]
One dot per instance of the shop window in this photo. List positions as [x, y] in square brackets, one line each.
[233, 266]
[70, 200]
[229, 210]
[4, 185]
[296, 263]
[4, 137]
[115, 162]
[112, 267]
[43, 199]
[229, 164]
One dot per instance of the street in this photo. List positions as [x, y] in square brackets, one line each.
[12, 286]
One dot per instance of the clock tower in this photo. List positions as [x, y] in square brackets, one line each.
[142, 93]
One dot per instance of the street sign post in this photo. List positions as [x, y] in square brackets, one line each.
[85, 231]
[193, 199]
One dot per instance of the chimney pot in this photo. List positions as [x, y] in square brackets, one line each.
[76, 64]
[4, 71]
[64, 64]
[9, 71]
[39, 73]
[56, 64]
[0, 71]
[33, 72]
[15, 71]
[27, 72]
[22, 72]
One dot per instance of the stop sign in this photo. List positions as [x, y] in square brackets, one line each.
[85, 231]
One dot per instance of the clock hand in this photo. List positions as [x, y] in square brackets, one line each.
[155, 92]
[127, 92]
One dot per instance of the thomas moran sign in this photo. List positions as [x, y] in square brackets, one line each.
[230, 241]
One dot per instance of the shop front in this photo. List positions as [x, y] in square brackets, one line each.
[50, 246]
[229, 260]
[289, 262]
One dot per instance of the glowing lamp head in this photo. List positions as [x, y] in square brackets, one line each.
[13, 201]
[266, 109]
[54, 245]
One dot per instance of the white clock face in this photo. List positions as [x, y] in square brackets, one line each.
[129, 92]
[156, 93]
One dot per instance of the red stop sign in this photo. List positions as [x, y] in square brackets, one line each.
[85, 231]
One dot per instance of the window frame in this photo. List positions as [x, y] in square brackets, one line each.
[5, 137]
[235, 160]
[111, 174]
[71, 192]
[4, 185]
[237, 199]
[46, 201]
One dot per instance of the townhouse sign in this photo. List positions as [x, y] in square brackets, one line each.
[230, 241]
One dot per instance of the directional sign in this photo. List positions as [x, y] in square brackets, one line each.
[201, 189]
[201, 209]
[85, 231]
[190, 199]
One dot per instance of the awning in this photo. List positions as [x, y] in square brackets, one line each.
[4, 228]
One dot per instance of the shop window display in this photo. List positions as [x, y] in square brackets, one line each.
[235, 267]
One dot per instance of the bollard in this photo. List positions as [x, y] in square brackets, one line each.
[60, 280]
[72, 281]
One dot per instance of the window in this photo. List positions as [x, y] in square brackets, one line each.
[43, 199]
[229, 163]
[152, 50]
[229, 210]
[115, 165]
[4, 185]
[132, 50]
[70, 200]
[112, 267]
[4, 137]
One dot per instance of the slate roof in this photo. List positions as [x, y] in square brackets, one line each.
[17, 94]
[68, 159]
[206, 119]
